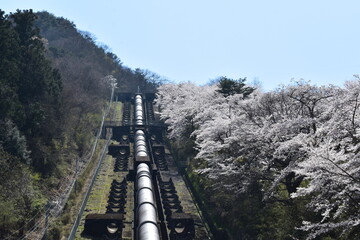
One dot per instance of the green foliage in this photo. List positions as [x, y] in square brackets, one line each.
[20, 199]
[246, 216]
[39, 81]
[13, 141]
[30, 88]
[52, 94]
[9, 69]
[37, 128]
[24, 27]
[230, 87]
[55, 232]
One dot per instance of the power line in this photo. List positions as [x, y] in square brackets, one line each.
[63, 193]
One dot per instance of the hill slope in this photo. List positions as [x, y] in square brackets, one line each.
[53, 89]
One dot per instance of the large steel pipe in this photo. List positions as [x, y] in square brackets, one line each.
[144, 182]
[146, 212]
[140, 140]
[145, 195]
[139, 133]
[140, 145]
[142, 167]
[141, 148]
[148, 231]
[139, 111]
[141, 155]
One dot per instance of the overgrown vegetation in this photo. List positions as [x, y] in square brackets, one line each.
[63, 225]
[53, 89]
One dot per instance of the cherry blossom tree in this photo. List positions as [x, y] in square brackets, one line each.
[301, 138]
[332, 168]
[179, 104]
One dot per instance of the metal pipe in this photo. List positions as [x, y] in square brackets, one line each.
[144, 182]
[139, 133]
[146, 212]
[139, 111]
[148, 231]
[140, 144]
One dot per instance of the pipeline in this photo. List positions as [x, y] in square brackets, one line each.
[147, 228]
[158, 213]
[146, 211]
[139, 111]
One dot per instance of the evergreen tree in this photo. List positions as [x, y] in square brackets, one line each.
[39, 83]
[9, 70]
[229, 87]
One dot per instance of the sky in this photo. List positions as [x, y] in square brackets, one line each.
[271, 42]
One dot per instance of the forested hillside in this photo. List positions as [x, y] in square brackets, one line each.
[78, 55]
[279, 165]
[53, 92]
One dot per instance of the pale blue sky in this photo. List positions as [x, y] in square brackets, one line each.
[198, 40]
